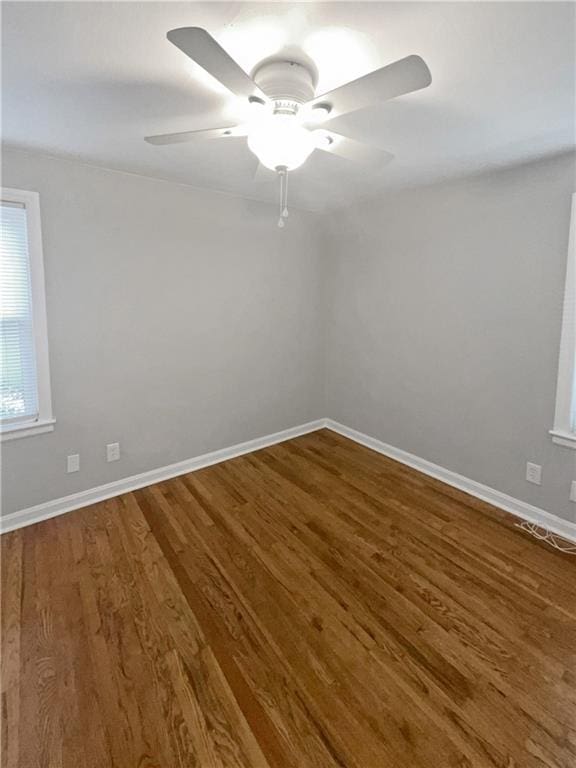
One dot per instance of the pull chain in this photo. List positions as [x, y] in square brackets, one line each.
[285, 204]
[283, 174]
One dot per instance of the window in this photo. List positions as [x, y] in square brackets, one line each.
[564, 431]
[25, 402]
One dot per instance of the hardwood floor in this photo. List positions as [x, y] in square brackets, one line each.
[311, 605]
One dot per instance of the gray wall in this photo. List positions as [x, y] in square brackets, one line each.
[180, 321]
[443, 324]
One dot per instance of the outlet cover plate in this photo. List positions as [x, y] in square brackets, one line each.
[73, 462]
[533, 473]
[112, 451]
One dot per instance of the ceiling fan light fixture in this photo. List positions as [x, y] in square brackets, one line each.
[281, 142]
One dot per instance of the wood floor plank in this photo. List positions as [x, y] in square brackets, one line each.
[11, 606]
[310, 605]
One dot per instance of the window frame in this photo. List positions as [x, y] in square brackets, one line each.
[564, 429]
[45, 421]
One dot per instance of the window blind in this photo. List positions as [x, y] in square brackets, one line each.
[18, 380]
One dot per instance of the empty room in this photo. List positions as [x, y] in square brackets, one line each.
[288, 384]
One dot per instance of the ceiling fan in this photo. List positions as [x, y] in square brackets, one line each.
[290, 121]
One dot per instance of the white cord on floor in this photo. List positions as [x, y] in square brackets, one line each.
[543, 534]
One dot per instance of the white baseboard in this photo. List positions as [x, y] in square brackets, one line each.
[520, 509]
[56, 507]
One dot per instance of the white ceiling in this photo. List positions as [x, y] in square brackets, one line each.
[91, 79]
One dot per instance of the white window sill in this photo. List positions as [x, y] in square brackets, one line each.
[26, 429]
[567, 439]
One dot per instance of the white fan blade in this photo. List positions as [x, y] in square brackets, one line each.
[329, 141]
[403, 76]
[227, 132]
[201, 47]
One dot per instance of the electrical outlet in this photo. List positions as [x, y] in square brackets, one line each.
[533, 473]
[112, 451]
[573, 491]
[73, 463]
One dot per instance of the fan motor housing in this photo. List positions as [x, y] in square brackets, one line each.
[285, 81]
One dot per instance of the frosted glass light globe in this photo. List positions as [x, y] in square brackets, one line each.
[280, 141]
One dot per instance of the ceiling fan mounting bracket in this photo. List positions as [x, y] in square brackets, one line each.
[285, 81]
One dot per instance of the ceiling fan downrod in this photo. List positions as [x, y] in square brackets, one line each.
[282, 172]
